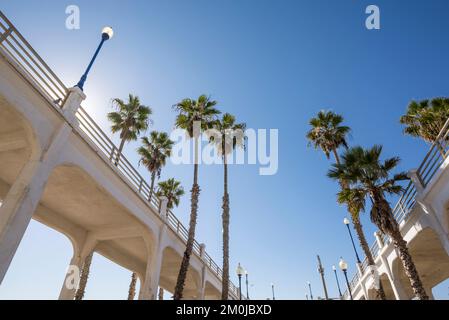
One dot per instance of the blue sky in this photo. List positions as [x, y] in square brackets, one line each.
[273, 65]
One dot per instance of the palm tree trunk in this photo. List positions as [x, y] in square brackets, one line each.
[364, 244]
[179, 288]
[161, 294]
[119, 151]
[132, 287]
[225, 221]
[361, 236]
[408, 264]
[79, 295]
[153, 177]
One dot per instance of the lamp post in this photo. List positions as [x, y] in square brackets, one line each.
[240, 272]
[106, 34]
[347, 222]
[310, 290]
[247, 289]
[344, 267]
[321, 272]
[272, 290]
[338, 283]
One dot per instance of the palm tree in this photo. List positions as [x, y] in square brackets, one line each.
[226, 137]
[172, 190]
[79, 295]
[153, 153]
[132, 286]
[368, 177]
[426, 118]
[193, 115]
[328, 134]
[130, 119]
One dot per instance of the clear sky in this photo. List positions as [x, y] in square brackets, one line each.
[273, 64]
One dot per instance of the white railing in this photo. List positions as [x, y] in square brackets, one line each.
[19, 53]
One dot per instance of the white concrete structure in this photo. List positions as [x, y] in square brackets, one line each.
[423, 215]
[56, 168]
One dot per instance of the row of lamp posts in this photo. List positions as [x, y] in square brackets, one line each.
[240, 272]
[343, 266]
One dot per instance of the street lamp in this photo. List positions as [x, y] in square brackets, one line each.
[240, 272]
[347, 222]
[106, 34]
[336, 278]
[247, 290]
[310, 290]
[344, 267]
[272, 290]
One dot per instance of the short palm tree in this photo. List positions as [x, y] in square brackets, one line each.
[426, 118]
[172, 190]
[227, 136]
[193, 115]
[153, 153]
[130, 119]
[328, 134]
[370, 178]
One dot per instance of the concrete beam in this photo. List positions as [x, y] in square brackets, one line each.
[117, 232]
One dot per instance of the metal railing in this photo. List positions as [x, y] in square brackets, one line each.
[432, 162]
[18, 52]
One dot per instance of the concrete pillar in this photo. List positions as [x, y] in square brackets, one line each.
[395, 283]
[72, 276]
[150, 283]
[164, 209]
[25, 193]
[72, 103]
[416, 180]
[380, 242]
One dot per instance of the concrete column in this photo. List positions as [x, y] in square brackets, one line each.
[23, 198]
[72, 276]
[413, 175]
[395, 283]
[150, 284]
[72, 103]
[25, 193]
[164, 209]
[380, 242]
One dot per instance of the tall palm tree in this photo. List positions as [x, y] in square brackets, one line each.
[79, 294]
[172, 190]
[130, 119]
[226, 137]
[370, 178]
[193, 113]
[329, 134]
[425, 119]
[153, 153]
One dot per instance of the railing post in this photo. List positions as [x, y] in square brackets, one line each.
[71, 104]
[379, 240]
[164, 209]
[416, 180]
[112, 153]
